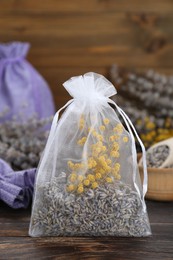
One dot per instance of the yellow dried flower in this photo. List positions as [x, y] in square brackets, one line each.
[91, 177]
[125, 139]
[106, 156]
[161, 130]
[70, 164]
[117, 155]
[109, 180]
[80, 178]
[118, 128]
[94, 163]
[115, 146]
[90, 166]
[114, 154]
[77, 166]
[153, 133]
[82, 141]
[108, 161]
[91, 163]
[99, 143]
[102, 128]
[150, 125]
[98, 176]
[107, 168]
[146, 137]
[104, 164]
[101, 158]
[91, 160]
[96, 152]
[116, 137]
[106, 121]
[81, 122]
[103, 148]
[118, 176]
[112, 138]
[70, 187]
[80, 189]
[73, 177]
[94, 133]
[117, 166]
[86, 182]
[94, 185]
[102, 171]
[100, 137]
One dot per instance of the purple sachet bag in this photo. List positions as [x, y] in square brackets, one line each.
[23, 91]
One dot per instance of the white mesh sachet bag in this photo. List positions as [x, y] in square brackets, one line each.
[88, 182]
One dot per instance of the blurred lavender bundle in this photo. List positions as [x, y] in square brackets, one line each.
[22, 88]
[21, 144]
[147, 99]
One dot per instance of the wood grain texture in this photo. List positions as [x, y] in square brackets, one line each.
[73, 37]
[95, 6]
[15, 243]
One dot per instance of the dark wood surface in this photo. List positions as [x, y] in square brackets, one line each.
[70, 38]
[16, 244]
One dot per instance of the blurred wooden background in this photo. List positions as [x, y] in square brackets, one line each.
[71, 37]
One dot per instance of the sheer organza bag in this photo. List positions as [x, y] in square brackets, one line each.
[88, 182]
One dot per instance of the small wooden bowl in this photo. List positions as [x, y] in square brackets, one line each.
[160, 183]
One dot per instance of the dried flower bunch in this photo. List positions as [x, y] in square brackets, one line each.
[102, 160]
[147, 99]
[21, 143]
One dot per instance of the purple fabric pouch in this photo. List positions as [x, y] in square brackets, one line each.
[23, 91]
[16, 188]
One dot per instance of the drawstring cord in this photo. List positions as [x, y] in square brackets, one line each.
[134, 154]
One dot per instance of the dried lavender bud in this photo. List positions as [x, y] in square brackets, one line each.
[3, 148]
[21, 144]
[110, 210]
[157, 156]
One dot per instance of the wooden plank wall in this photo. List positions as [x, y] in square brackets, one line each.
[71, 37]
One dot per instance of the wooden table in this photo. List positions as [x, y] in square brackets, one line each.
[16, 244]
